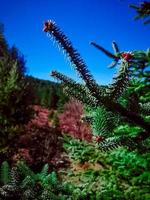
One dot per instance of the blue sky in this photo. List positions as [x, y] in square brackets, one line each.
[82, 21]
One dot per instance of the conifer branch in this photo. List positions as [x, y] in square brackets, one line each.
[76, 90]
[130, 116]
[115, 48]
[120, 82]
[113, 64]
[110, 105]
[104, 122]
[106, 52]
[145, 108]
[115, 142]
[25, 184]
[73, 55]
[143, 11]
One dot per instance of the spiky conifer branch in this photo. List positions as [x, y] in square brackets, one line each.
[73, 55]
[106, 52]
[138, 61]
[115, 48]
[25, 184]
[104, 122]
[118, 141]
[115, 142]
[76, 90]
[120, 82]
[145, 108]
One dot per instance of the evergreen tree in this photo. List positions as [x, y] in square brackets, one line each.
[3, 43]
[15, 100]
[95, 95]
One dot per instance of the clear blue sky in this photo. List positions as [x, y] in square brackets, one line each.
[83, 21]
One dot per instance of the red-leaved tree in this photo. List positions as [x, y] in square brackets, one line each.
[71, 121]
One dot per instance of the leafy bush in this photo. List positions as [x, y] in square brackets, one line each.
[131, 165]
[119, 174]
[82, 151]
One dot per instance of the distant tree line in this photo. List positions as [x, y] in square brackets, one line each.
[47, 93]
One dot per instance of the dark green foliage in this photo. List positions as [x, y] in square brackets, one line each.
[25, 184]
[143, 11]
[15, 55]
[119, 174]
[103, 122]
[139, 66]
[3, 43]
[133, 168]
[46, 93]
[14, 99]
[4, 173]
[130, 164]
[82, 151]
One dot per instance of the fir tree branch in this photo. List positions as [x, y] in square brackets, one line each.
[143, 10]
[120, 82]
[145, 108]
[74, 57]
[130, 116]
[106, 52]
[113, 64]
[109, 144]
[115, 142]
[76, 90]
[104, 122]
[115, 47]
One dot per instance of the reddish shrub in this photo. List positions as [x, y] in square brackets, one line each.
[70, 121]
[39, 143]
[23, 154]
[40, 117]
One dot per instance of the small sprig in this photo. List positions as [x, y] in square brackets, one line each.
[143, 11]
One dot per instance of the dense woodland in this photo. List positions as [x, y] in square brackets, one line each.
[73, 141]
[46, 93]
